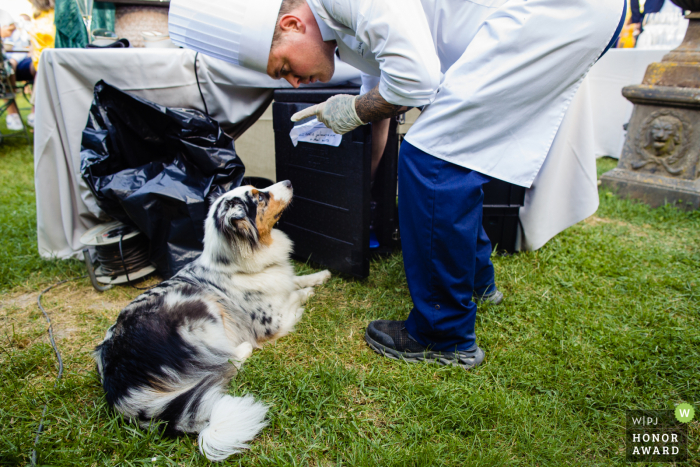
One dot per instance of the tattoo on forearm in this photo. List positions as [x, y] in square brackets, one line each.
[372, 107]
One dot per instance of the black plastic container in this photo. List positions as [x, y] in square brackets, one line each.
[502, 202]
[330, 214]
[501, 225]
[329, 218]
[504, 194]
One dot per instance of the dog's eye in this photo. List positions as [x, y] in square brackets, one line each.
[260, 198]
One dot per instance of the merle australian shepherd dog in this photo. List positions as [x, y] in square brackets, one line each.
[174, 349]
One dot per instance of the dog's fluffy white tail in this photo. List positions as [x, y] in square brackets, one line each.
[234, 420]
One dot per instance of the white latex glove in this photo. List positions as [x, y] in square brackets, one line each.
[337, 113]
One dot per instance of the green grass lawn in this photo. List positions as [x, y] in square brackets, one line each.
[19, 258]
[604, 318]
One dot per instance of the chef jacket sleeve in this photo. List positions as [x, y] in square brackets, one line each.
[369, 82]
[398, 35]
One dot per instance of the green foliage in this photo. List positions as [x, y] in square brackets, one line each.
[604, 318]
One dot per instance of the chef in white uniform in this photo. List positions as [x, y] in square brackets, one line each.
[495, 78]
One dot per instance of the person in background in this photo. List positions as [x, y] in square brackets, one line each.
[631, 29]
[642, 8]
[42, 35]
[635, 17]
[15, 33]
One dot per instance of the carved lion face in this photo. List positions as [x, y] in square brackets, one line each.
[665, 135]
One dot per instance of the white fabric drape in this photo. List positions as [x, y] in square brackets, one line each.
[616, 69]
[64, 92]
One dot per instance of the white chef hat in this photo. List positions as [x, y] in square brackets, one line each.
[236, 31]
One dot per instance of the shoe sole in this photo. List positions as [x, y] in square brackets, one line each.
[427, 356]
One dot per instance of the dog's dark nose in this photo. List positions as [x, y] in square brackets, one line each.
[287, 183]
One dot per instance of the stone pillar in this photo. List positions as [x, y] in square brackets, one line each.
[660, 162]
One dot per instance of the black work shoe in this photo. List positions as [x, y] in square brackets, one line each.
[391, 339]
[494, 298]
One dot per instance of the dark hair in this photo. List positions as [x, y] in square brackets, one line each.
[286, 7]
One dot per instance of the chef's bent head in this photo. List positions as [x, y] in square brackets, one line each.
[278, 37]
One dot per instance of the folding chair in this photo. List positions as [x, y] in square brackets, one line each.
[21, 87]
[7, 93]
[24, 87]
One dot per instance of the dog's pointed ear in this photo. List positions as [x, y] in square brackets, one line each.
[215, 194]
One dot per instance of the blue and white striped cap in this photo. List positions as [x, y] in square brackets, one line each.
[236, 31]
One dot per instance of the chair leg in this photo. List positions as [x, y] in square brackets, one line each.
[3, 110]
[24, 91]
[24, 125]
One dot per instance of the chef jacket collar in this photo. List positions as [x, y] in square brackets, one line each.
[327, 33]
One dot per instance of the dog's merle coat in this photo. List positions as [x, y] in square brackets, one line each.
[171, 353]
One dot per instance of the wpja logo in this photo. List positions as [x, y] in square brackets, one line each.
[658, 435]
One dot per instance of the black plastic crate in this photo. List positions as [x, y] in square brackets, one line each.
[330, 214]
[502, 201]
[501, 226]
[329, 218]
[500, 193]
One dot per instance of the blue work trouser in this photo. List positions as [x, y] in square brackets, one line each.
[446, 252]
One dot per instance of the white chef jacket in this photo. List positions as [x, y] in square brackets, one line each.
[496, 76]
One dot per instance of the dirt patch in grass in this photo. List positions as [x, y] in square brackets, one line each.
[79, 315]
[594, 220]
[641, 231]
[19, 301]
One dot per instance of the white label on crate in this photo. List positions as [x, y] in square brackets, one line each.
[314, 132]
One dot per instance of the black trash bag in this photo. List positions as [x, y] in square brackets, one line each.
[157, 169]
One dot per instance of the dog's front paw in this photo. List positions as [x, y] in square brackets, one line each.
[324, 276]
[243, 351]
[318, 278]
[312, 280]
[306, 294]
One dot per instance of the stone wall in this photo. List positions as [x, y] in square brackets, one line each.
[132, 20]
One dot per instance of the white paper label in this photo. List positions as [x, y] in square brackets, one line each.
[314, 132]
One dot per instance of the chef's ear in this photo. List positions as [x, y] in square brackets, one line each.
[292, 23]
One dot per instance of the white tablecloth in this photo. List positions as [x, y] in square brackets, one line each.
[617, 69]
[64, 91]
[564, 192]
